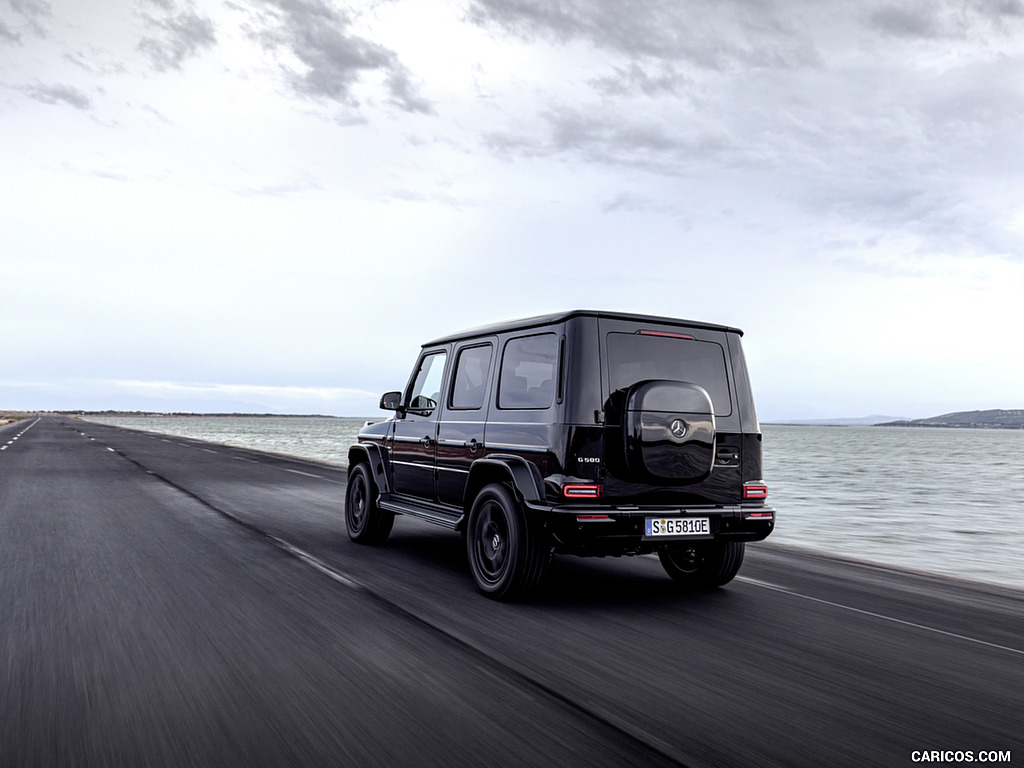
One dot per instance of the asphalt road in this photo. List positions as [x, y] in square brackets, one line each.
[165, 601]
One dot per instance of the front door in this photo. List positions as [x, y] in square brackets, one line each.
[414, 451]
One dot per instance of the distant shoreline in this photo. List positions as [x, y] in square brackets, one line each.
[194, 415]
[991, 419]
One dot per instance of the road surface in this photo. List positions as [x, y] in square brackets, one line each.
[170, 602]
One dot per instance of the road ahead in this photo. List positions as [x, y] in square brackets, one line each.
[165, 601]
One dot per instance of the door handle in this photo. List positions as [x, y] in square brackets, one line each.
[473, 445]
[426, 441]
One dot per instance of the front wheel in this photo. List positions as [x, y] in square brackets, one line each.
[366, 522]
[507, 557]
[704, 565]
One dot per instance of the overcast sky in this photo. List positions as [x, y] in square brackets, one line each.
[270, 204]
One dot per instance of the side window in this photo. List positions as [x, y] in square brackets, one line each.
[528, 372]
[426, 388]
[470, 388]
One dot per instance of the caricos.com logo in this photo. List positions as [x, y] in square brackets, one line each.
[960, 756]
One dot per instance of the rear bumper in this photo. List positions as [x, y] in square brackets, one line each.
[602, 530]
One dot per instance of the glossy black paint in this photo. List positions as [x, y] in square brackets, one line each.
[582, 438]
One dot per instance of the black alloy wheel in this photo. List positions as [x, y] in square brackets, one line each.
[507, 558]
[366, 522]
[703, 565]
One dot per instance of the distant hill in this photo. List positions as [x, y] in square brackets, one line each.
[996, 419]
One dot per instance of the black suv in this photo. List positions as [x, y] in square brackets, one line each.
[585, 433]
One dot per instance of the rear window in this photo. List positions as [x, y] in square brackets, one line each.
[633, 357]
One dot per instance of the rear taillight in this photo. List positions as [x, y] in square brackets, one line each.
[755, 489]
[580, 491]
[593, 519]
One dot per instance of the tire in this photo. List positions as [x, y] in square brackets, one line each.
[703, 566]
[508, 558]
[366, 522]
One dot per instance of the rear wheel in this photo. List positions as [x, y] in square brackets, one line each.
[366, 522]
[704, 565]
[508, 558]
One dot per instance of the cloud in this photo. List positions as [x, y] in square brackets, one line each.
[33, 13]
[181, 35]
[709, 35]
[634, 79]
[59, 94]
[284, 189]
[7, 35]
[404, 93]
[879, 118]
[631, 202]
[938, 21]
[908, 22]
[653, 142]
[720, 34]
[334, 59]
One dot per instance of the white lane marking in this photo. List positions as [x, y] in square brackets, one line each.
[241, 458]
[925, 627]
[319, 565]
[209, 451]
[165, 441]
[296, 472]
[4, 448]
[111, 449]
[760, 583]
[307, 474]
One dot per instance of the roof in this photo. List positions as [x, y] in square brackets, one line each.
[558, 317]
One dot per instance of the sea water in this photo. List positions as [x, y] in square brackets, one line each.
[943, 500]
[323, 438]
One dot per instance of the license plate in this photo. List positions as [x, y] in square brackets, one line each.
[677, 526]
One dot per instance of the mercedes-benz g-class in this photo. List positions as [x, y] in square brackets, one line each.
[583, 433]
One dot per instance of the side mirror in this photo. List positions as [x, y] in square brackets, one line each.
[391, 401]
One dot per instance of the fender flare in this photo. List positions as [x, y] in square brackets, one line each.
[374, 455]
[524, 475]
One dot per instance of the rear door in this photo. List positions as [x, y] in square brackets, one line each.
[460, 437]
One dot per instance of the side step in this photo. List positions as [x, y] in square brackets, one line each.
[431, 513]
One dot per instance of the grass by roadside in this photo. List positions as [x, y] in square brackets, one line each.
[9, 417]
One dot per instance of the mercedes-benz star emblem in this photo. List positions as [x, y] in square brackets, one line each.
[678, 428]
